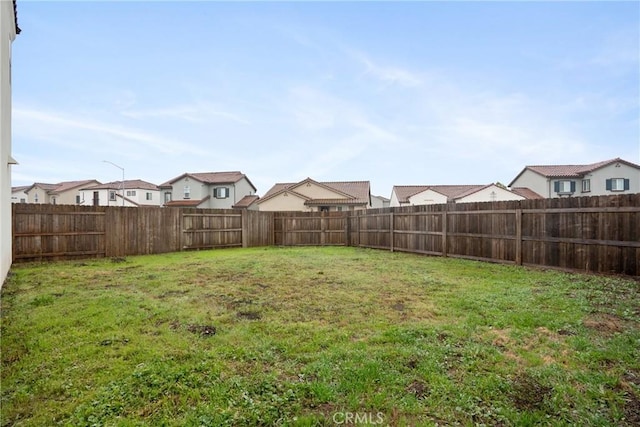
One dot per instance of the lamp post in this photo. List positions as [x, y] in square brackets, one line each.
[122, 185]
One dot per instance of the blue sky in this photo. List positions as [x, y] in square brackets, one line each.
[397, 93]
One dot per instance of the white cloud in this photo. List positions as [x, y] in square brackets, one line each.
[74, 130]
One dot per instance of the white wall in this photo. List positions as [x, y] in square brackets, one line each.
[599, 179]
[485, 195]
[7, 35]
[533, 181]
[427, 197]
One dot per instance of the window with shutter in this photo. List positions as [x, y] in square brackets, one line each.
[617, 184]
[564, 187]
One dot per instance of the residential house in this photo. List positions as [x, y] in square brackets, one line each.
[62, 193]
[18, 194]
[410, 195]
[136, 193]
[608, 177]
[379, 202]
[8, 31]
[214, 190]
[309, 195]
[248, 202]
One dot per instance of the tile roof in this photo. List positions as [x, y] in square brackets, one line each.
[527, 193]
[19, 188]
[404, 192]
[136, 184]
[355, 192]
[246, 201]
[186, 203]
[570, 171]
[62, 186]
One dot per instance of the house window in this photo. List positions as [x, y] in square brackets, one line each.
[112, 195]
[35, 198]
[187, 192]
[324, 209]
[23, 200]
[53, 200]
[78, 199]
[131, 192]
[565, 187]
[167, 197]
[221, 193]
[586, 185]
[617, 184]
[150, 196]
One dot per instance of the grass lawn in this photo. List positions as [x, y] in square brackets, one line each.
[316, 336]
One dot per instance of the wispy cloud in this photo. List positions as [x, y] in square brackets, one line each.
[75, 129]
[390, 74]
[198, 113]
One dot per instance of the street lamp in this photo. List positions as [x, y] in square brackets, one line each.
[122, 185]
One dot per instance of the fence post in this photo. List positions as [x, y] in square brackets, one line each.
[347, 229]
[323, 229]
[444, 231]
[391, 226]
[518, 236]
[245, 228]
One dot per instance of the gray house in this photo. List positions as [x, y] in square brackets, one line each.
[609, 177]
[210, 190]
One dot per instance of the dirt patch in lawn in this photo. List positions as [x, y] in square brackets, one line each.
[607, 324]
[249, 315]
[202, 330]
[528, 393]
[418, 388]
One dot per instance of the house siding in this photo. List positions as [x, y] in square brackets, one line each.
[282, 202]
[484, 195]
[427, 197]
[534, 181]
[7, 35]
[599, 179]
[545, 186]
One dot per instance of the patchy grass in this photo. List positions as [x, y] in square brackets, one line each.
[316, 336]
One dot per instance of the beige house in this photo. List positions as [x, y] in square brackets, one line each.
[411, 195]
[18, 194]
[8, 31]
[309, 195]
[62, 193]
[136, 193]
[609, 177]
[213, 190]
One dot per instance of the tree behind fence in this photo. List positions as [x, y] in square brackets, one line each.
[599, 234]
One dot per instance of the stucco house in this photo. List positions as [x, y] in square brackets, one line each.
[309, 195]
[62, 193]
[411, 195]
[608, 177]
[8, 31]
[379, 202]
[213, 190]
[136, 193]
[18, 194]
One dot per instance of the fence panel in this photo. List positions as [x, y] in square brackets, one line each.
[211, 228]
[57, 232]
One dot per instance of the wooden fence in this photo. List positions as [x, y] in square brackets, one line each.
[66, 231]
[598, 234]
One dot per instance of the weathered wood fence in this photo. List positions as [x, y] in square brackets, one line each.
[598, 234]
[67, 231]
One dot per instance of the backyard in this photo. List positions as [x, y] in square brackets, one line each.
[316, 336]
